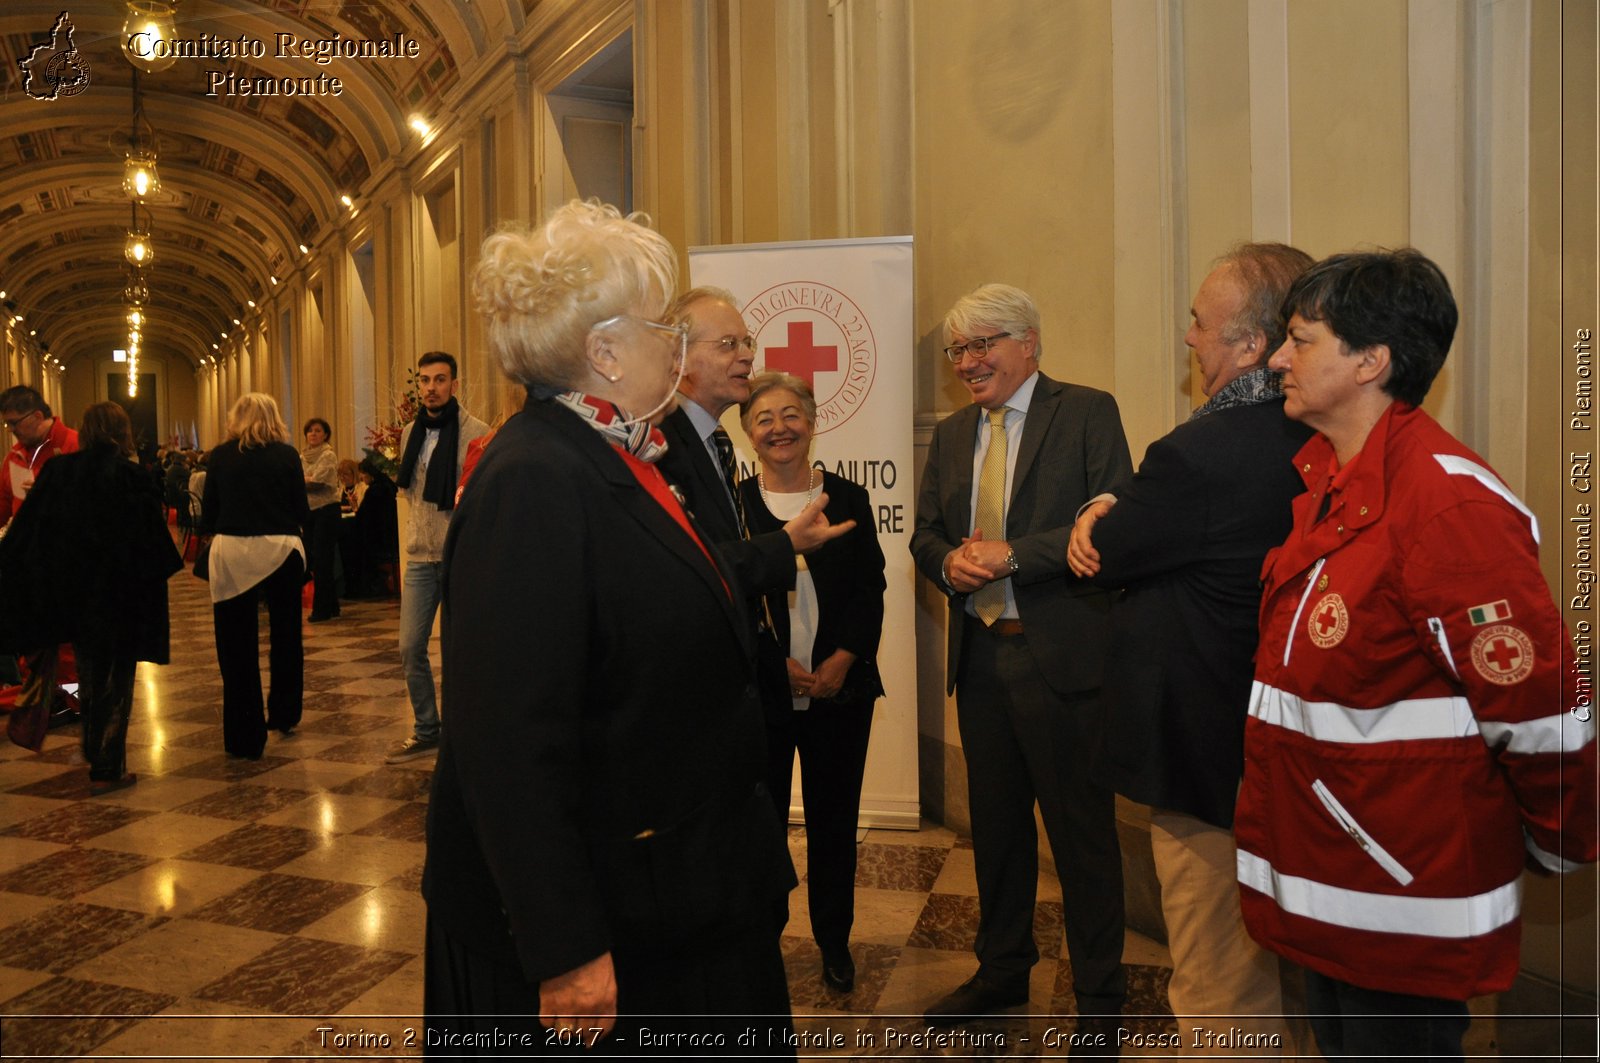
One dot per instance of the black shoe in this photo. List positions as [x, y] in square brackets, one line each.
[838, 970]
[1097, 1037]
[317, 618]
[975, 998]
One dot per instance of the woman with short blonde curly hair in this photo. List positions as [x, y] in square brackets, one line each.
[599, 838]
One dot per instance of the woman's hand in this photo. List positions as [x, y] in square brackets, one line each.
[829, 679]
[800, 680]
[582, 1002]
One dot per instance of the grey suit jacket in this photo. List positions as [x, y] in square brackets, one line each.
[1072, 449]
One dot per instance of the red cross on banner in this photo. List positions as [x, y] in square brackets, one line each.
[802, 357]
[1328, 619]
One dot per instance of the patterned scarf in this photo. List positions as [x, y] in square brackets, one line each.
[640, 439]
[1248, 389]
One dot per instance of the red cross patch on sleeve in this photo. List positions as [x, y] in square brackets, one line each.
[1503, 654]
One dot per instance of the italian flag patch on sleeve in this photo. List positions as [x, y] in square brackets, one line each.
[1492, 613]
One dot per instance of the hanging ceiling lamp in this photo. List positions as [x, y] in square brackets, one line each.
[139, 251]
[139, 176]
[147, 34]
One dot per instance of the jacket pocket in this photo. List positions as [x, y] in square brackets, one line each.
[1348, 824]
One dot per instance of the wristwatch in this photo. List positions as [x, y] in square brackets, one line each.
[1011, 559]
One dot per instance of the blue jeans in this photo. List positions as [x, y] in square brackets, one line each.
[420, 593]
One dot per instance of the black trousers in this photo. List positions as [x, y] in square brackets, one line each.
[244, 730]
[831, 737]
[1025, 742]
[322, 543]
[1354, 1023]
[105, 700]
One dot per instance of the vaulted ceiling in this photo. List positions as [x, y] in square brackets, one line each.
[245, 179]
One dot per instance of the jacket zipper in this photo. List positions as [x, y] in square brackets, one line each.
[1436, 626]
[1294, 625]
[1347, 822]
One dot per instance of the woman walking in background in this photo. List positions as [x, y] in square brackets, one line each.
[86, 562]
[254, 507]
[321, 467]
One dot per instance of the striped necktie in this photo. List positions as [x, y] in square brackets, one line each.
[990, 599]
[730, 476]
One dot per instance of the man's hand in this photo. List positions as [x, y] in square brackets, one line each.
[963, 575]
[830, 674]
[810, 528]
[582, 1002]
[1082, 557]
[988, 555]
[800, 680]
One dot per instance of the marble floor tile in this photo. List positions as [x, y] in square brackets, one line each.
[245, 801]
[351, 858]
[61, 937]
[255, 845]
[278, 904]
[177, 957]
[381, 918]
[19, 851]
[344, 721]
[231, 769]
[163, 834]
[66, 873]
[17, 808]
[408, 823]
[150, 761]
[169, 887]
[73, 1017]
[201, 1029]
[368, 750]
[330, 814]
[898, 867]
[41, 778]
[17, 980]
[399, 783]
[161, 793]
[15, 907]
[330, 768]
[75, 823]
[302, 976]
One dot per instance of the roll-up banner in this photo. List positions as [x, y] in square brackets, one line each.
[838, 313]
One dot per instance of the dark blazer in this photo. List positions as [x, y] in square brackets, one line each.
[848, 575]
[254, 491]
[1072, 449]
[762, 563]
[86, 560]
[1187, 538]
[599, 784]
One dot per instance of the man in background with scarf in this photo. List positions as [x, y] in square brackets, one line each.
[432, 450]
[1185, 537]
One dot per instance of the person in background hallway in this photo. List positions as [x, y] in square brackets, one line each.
[829, 625]
[601, 847]
[1418, 730]
[40, 436]
[377, 529]
[321, 466]
[1004, 480]
[254, 508]
[433, 448]
[350, 485]
[1186, 538]
[86, 561]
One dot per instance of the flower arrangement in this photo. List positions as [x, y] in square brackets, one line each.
[383, 441]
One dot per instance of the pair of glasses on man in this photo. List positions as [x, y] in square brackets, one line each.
[978, 347]
[728, 344]
[13, 423]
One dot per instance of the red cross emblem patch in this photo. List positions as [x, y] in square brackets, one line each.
[1503, 654]
[1329, 621]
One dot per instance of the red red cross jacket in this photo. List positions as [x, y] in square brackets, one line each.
[1418, 727]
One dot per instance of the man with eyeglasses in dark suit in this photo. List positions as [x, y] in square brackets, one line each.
[1004, 480]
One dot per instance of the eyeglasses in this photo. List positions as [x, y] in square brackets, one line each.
[727, 344]
[979, 347]
[678, 335]
[16, 423]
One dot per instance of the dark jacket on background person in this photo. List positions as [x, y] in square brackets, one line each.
[1186, 539]
[86, 560]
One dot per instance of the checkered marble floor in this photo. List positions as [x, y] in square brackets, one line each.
[270, 909]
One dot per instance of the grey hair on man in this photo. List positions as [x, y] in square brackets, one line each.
[1265, 272]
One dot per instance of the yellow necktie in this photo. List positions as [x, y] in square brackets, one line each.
[990, 599]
